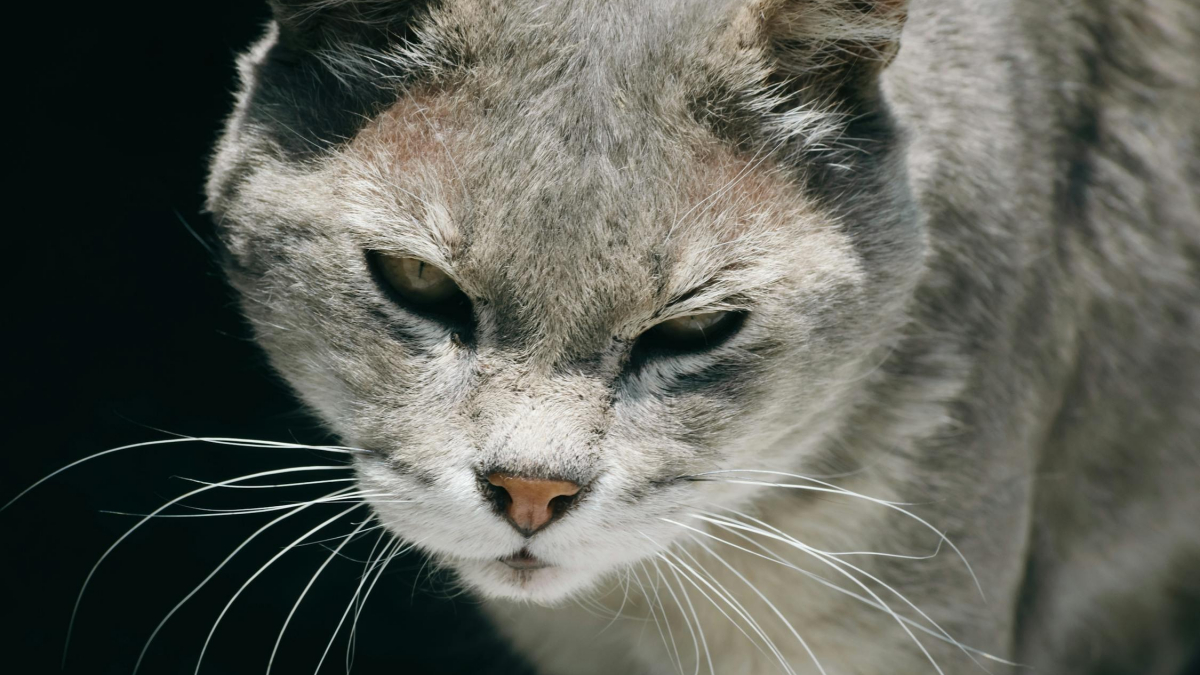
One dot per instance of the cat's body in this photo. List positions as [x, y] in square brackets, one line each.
[978, 295]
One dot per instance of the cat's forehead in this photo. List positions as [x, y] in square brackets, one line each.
[563, 169]
[600, 225]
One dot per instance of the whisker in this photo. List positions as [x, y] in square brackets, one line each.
[737, 607]
[371, 560]
[398, 548]
[699, 626]
[590, 610]
[833, 489]
[809, 549]
[624, 599]
[365, 532]
[881, 554]
[670, 646]
[264, 443]
[272, 485]
[209, 513]
[778, 559]
[141, 656]
[632, 578]
[311, 581]
[762, 597]
[186, 439]
[592, 605]
[277, 556]
[144, 520]
[896, 506]
[723, 613]
[791, 541]
[666, 620]
[868, 575]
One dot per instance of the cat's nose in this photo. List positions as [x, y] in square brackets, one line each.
[531, 503]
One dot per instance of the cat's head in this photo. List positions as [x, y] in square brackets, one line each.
[548, 260]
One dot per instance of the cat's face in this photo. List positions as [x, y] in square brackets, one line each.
[575, 199]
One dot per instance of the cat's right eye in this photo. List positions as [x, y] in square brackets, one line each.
[422, 288]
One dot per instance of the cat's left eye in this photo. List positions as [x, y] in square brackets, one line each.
[692, 326]
[692, 332]
[422, 288]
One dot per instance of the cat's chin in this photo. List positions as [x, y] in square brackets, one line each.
[545, 586]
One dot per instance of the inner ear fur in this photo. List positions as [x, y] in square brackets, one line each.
[818, 51]
[835, 46]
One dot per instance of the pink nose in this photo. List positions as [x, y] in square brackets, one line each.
[531, 501]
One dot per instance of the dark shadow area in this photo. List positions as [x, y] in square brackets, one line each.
[119, 325]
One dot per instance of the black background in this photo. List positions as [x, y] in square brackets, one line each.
[119, 325]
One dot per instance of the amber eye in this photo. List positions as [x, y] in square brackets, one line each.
[416, 279]
[694, 332]
[693, 326]
[422, 288]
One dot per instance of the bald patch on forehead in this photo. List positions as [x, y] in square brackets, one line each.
[725, 179]
[422, 127]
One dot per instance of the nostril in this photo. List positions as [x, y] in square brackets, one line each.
[497, 495]
[561, 503]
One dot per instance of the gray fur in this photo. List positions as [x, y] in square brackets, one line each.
[971, 269]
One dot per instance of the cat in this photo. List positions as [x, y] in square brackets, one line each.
[747, 336]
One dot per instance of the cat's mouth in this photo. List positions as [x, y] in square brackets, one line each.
[524, 560]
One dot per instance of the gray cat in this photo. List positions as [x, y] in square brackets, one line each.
[747, 336]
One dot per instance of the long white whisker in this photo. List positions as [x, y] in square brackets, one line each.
[272, 485]
[186, 439]
[831, 489]
[687, 621]
[277, 556]
[245, 542]
[898, 594]
[881, 554]
[670, 646]
[144, 520]
[791, 541]
[906, 601]
[210, 513]
[719, 591]
[590, 610]
[762, 597]
[269, 444]
[362, 580]
[624, 599]
[696, 616]
[602, 611]
[896, 506]
[365, 532]
[311, 581]
[397, 549]
[593, 606]
[725, 614]
[918, 610]
[778, 559]
[633, 578]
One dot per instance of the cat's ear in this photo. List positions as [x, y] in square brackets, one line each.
[313, 24]
[833, 50]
